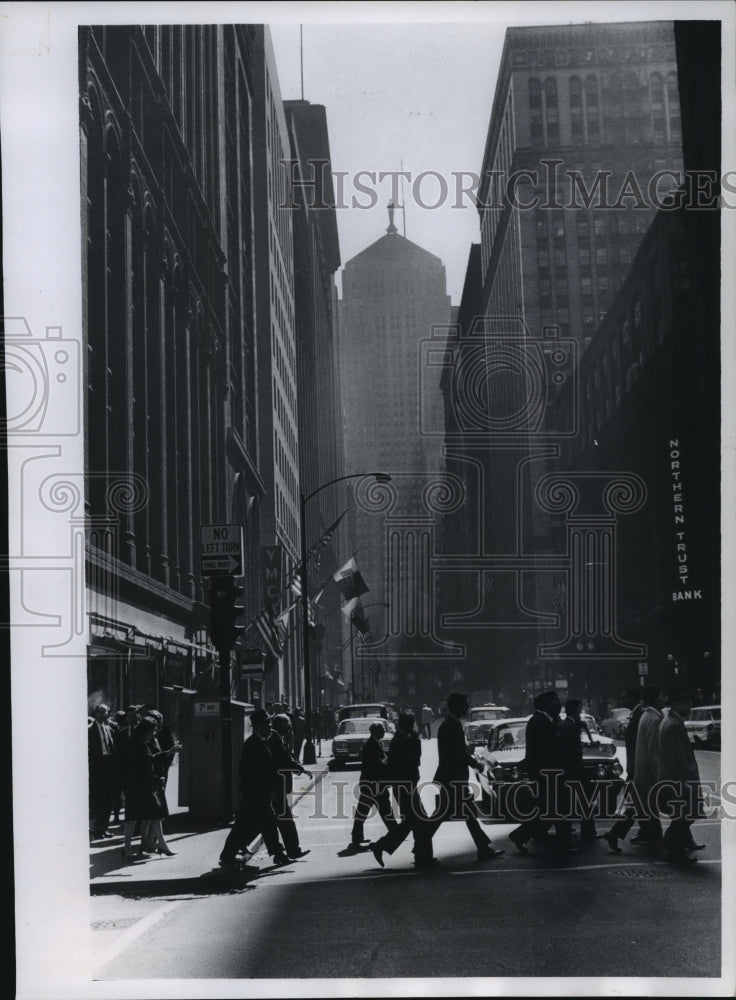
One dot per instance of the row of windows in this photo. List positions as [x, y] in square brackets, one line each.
[620, 108]
[593, 55]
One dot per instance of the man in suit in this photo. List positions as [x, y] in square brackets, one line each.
[404, 756]
[287, 766]
[635, 700]
[258, 780]
[545, 767]
[456, 798]
[101, 761]
[571, 735]
[680, 798]
[373, 787]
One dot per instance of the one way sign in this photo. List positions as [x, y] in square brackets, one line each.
[221, 549]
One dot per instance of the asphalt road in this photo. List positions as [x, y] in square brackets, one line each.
[335, 916]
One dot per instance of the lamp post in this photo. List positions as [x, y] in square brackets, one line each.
[381, 477]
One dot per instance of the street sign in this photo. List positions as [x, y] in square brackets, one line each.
[221, 549]
[251, 663]
[207, 708]
[643, 669]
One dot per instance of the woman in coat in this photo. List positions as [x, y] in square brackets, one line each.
[145, 800]
[646, 767]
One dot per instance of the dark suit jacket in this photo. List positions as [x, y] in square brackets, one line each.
[543, 746]
[632, 729]
[404, 754]
[454, 757]
[94, 742]
[373, 760]
[572, 747]
[258, 772]
[286, 764]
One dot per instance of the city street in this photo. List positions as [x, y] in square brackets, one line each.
[330, 915]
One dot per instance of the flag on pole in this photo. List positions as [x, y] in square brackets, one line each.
[325, 539]
[270, 633]
[350, 606]
[296, 586]
[361, 623]
[349, 580]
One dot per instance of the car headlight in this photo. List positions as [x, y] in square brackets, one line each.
[600, 771]
[617, 769]
[498, 772]
[514, 773]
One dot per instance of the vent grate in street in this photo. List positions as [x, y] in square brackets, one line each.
[107, 925]
[641, 873]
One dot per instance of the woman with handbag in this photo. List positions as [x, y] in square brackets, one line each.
[145, 799]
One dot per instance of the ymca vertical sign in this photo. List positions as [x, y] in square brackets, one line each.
[271, 572]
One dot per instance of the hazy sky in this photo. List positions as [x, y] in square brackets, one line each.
[417, 93]
[420, 93]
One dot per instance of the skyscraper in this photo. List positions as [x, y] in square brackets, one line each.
[583, 146]
[394, 292]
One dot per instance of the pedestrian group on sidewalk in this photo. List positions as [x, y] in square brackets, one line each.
[129, 759]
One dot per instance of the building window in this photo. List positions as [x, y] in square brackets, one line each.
[656, 96]
[592, 117]
[535, 110]
[552, 116]
[673, 108]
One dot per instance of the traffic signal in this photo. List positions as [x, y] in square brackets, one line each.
[224, 612]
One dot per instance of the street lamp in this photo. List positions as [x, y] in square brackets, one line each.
[380, 477]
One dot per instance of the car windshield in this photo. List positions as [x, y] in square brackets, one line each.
[361, 726]
[486, 714]
[507, 736]
[704, 714]
[360, 711]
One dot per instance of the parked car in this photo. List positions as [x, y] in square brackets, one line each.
[704, 726]
[506, 791]
[351, 735]
[615, 725]
[479, 720]
[379, 709]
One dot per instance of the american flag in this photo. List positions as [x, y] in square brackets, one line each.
[271, 633]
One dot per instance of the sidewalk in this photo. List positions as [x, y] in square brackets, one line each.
[193, 871]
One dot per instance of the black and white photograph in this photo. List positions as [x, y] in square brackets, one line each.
[369, 433]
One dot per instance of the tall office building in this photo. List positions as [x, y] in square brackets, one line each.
[166, 135]
[321, 446]
[394, 292]
[583, 146]
[278, 441]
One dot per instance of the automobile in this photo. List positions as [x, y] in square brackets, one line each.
[350, 737]
[704, 726]
[506, 790]
[615, 725]
[377, 709]
[479, 720]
